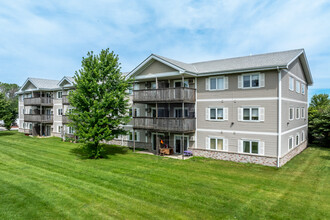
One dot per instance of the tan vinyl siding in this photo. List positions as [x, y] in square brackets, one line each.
[268, 125]
[270, 141]
[156, 67]
[291, 124]
[285, 139]
[270, 89]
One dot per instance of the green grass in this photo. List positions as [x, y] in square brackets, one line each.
[48, 179]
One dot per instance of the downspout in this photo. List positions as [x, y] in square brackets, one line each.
[279, 135]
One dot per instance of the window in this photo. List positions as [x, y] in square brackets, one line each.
[297, 139]
[216, 143]
[136, 134]
[291, 83]
[177, 113]
[250, 114]
[251, 147]
[178, 83]
[59, 94]
[217, 83]
[69, 110]
[291, 114]
[136, 112]
[303, 89]
[71, 130]
[251, 81]
[297, 87]
[59, 129]
[59, 111]
[290, 143]
[302, 136]
[302, 112]
[153, 85]
[297, 113]
[216, 114]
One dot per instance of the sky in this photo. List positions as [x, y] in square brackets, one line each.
[47, 39]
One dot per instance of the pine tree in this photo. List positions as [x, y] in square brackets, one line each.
[100, 101]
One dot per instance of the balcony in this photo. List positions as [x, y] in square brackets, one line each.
[181, 94]
[38, 118]
[65, 119]
[185, 125]
[65, 100]
[45, 101]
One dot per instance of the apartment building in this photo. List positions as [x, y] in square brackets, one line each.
[245, 109]
[43, 105]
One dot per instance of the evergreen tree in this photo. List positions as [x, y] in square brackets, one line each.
[100, 101]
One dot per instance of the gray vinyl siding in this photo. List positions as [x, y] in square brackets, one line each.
[270, 141]
[268, 125]
[291, 124]
[270, 89]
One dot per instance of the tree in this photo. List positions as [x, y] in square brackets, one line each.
[11, 111]
[100, 101]
[319, 120]
[3, 105]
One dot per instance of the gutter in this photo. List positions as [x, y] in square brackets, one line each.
[279, 137]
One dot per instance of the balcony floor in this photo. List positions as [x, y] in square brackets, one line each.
[173, 156]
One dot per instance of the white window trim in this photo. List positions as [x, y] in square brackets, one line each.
[224, 142]
[179, 136]
[303, 136]
[250, 74]
[57, 94]
[216, 113]
[216, 84]
[302, 114]
[293, 113]
[59, 127]
[303, 90]
[138, 135]
[250, 140]
[293, 142]
[298, 88]
[250, 120]
[58, 112]
[297, 115]
[291, 80]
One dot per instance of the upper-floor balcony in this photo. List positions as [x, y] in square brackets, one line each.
[179, 94]
[45, 101]
[48, 118]
[65, 100]
[166, 124]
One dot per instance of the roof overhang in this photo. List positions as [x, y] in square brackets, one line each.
[304, 63]
[65, 79]
[20, 91]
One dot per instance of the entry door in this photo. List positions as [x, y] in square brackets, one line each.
[154, 140]
[178, 144]
[47, 133]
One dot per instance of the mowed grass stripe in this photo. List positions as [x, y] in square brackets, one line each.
[129, 185]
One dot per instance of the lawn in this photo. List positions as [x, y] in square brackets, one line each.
[48, 179]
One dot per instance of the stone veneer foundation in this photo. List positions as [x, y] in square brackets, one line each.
[246, 158]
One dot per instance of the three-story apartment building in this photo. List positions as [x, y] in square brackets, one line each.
[246, 109]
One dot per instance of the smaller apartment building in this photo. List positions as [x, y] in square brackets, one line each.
[246, 109]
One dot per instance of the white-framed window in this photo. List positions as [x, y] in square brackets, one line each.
[217, 113]
[302, 136]
[302, 112]
[297, 139]
[302, 88]
[291, 113]
[297, 113]
[251, 114]
[218, 83]
[250, 147]
[69, 110]
[70, 130]
[59, 94]
[59, 111]
[252, 80]
[217, 143]
[297, 86]
[137, 136]
[290, 143]
[291, 83]
[59, 129]
[136, 86]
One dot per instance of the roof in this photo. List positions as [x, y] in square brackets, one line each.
[44, 83]
[273, 60]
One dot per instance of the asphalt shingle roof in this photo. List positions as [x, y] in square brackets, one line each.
[44, 83]
[238, 63]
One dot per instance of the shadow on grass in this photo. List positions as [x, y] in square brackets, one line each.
[108, 150]
[6, 133]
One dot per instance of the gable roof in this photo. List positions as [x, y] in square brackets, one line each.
[265, 61]
[69, 79]
[41, 83]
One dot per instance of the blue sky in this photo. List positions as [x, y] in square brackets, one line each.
[47, 39]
